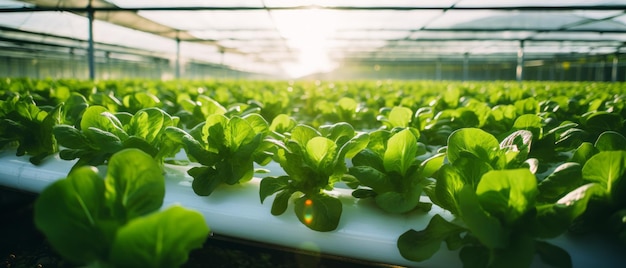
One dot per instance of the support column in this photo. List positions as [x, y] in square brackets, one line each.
[177, 58]
[90, 48]
[438, 69]
[519, 71]
[614, 68]
[466, 66]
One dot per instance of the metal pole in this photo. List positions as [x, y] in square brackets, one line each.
[466, 66]
[90, 49]
[614, 69]
[177, 58]
[519, 71]
[438, 69]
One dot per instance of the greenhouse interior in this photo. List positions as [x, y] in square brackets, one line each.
[313, 133]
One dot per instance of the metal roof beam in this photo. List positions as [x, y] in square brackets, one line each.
[347, 8]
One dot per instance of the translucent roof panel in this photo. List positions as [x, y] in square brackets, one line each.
[299, 36]
[185, 3]
[205, 20]
[464, 19]
[518, 3]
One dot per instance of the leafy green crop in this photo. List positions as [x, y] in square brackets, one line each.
[102, 134]
[225, 147]
[30, 126]
[314, 161]
[390, 169]
[115, 221]
[490, 187]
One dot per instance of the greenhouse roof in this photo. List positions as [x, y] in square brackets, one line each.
[299, 37]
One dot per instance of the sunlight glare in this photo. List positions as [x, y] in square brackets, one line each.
[307, 33]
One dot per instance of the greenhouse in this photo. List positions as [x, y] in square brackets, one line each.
[312, 133]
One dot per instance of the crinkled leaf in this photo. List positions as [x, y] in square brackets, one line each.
[147, 124]
[340, 132]
[421, 245]
[401, 152]
[448, 184]
[507, 194]
[301, 134]
[208, 106]
[530, 122]
[353, 146]
[100, 118]
[518, 142]
[194, 149]
[215, 133]
[134, 184]
[103, 140]
[239, 133]
[472, 140]
[400, 117]
[282, 123]
[471, 168]
[257, 122]
[378, 141]
[321, 153]
[70, 137]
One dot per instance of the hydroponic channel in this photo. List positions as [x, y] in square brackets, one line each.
[364, 232]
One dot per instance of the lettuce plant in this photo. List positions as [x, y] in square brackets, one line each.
[493, 193]
[102, 134]
[226, 148]
[30, 126]
[116, 221]
[314, 161]
[390, 169]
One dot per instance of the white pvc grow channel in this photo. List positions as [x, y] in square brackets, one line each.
[364, 232]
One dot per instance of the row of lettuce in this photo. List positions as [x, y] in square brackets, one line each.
[516, 164]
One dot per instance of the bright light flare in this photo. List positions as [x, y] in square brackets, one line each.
[306, 33]
[308, 215]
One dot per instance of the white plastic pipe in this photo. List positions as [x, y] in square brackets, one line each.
[364, 232]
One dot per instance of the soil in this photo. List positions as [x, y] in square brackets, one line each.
[22, 245]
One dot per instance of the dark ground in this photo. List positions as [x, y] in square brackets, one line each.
[22, 245]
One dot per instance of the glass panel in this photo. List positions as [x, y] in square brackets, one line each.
[362, 3]
[186, 3]
[464, 19]
[203, 20]
[513, 3]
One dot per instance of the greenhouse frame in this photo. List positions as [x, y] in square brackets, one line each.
[437, 40]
